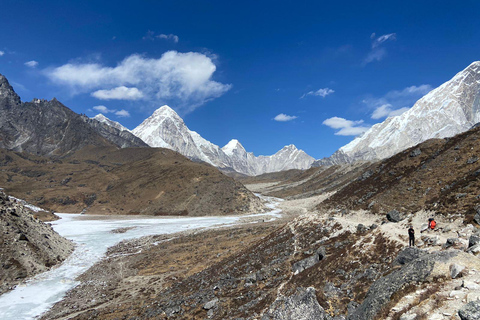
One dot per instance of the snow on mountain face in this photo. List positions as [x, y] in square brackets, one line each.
[101, 118]
[450, 109]
[166, 129]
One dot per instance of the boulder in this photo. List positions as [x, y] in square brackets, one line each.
[470, 311]
[302, 305]
[475, 249]
[408, 255]
[473, 240]
[395, 216]
[456, 270]
[308, 262]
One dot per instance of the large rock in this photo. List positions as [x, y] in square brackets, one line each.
[381, 291]
[308, 262]
[303, 305]
[470, 311]
[395, 216]
[408, 255]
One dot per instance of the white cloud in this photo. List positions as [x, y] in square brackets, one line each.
[183, 79]
[118, 93]
[122, 113]
[31, 64]
[103, 109]
[347, 127]
[2, 53]
[377, 52]
[396, 102]
[320, 92]
[283, 117]
[168, 37]
[152, 36]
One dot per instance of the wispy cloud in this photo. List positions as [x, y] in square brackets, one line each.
[378, 52]
[396, 102]
[283, 117]
[183, 79]
[320, 93]
[346, 127]
[118, 93]
[152, 36]
[31, 64]
[120, 113]
[2, 53]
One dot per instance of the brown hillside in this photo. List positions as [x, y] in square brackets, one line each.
[124, 181]
[438, 174]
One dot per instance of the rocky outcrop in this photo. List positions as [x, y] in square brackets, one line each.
[115, 134]
[303, 305]
[27, 245]
[382, 290]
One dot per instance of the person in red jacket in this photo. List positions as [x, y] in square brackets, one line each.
[431, 224]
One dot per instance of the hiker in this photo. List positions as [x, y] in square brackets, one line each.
[431, 224]
[411, 236]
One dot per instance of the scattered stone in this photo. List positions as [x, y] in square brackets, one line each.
[470, 285]
[472, 160]
[395, 216]
[473, 240]
[361, 228]
[415, 153]
[211, 304]
[22, 237]
[408, 316]
[470, 311]
[456, 270]
[475, 249]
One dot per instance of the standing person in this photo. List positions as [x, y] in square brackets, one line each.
[411, 236]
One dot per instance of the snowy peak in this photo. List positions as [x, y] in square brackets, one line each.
[450, 109]
[233, 146]
[101, 118]
[165, 129]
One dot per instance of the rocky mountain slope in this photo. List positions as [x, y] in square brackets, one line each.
[166, 129]
[318, 266]
[124, 181]
[452, 108]
[27, 245]
[49, 128]
[438, 174]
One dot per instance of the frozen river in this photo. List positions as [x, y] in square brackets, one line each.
[92, 235]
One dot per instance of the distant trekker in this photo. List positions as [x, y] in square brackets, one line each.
[431, 224]
[411, 236]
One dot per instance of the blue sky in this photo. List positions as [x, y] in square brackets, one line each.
[268, 73]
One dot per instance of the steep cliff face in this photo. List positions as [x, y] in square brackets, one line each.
[49, 128]
[27, 245]
[452, 108]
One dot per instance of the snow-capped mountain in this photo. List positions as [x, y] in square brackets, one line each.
[166, 129]
[101, 118]
[452, 108]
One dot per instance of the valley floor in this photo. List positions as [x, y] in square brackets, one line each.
[244, 270]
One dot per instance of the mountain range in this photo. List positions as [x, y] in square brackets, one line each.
[450, 109]
[166, 129]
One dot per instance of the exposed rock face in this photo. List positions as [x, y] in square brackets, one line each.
[115, 132]
[49, 128]
[452, 108]
[166, 129]
[27, 245]
[303, 305]
[381, 291]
